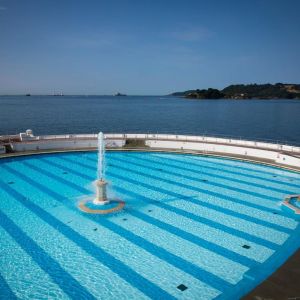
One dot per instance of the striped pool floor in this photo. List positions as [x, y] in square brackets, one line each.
[193, 227]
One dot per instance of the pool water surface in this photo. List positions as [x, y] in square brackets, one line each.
[193, 227]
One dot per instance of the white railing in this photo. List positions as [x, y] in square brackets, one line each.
[206, 139]
[66, 136]
[171, 137]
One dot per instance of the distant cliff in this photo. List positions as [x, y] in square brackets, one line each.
[246, 91]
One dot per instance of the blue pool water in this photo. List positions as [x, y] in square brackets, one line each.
[295, 202]
[214, 225]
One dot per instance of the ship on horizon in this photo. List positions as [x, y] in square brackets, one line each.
[58, 94]
[119, 94]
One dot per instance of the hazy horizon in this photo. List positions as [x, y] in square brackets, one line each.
[54, 94]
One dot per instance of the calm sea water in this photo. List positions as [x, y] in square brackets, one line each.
[253, 119]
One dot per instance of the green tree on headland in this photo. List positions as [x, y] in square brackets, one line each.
[246, 91]
[206, 94]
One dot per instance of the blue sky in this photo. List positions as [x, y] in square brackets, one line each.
[146, 46]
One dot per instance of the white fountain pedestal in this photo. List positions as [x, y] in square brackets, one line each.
[101, 197]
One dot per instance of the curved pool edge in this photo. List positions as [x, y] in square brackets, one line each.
[256, 283]
[253, 160]
[279, 284]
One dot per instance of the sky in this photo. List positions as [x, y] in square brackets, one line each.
[146, 47]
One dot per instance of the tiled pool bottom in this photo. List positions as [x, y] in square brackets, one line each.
[193, 227]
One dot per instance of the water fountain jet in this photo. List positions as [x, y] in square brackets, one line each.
[100, 183]
[97, 205]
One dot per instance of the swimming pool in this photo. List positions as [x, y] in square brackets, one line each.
[295, 202]
[193, 227]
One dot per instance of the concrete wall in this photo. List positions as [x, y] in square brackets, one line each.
[203, 147]
[246, 152]
[214, 140]
[232, 147]
[288, 160]
[58, 144]
[2, 149]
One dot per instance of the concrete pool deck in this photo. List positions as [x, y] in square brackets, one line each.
[283, 284]
[250, 159]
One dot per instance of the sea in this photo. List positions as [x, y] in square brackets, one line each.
[269, 120]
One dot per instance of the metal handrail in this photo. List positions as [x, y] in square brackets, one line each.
[166, 132]
[173, 137]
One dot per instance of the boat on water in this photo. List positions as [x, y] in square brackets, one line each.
[119, 94]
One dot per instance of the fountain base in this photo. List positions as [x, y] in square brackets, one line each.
[101, 204]
[89, 207]
[101, 197]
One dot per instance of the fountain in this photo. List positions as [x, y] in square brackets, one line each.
[101, 204]
[101, 197]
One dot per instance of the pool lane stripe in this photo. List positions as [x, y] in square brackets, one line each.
[181, 233]
[187, 215]
[70, 170]
[176, 164]
[115, 265]
[189, 177]
[207, 168]
[197, 218]
[172, 259]
[185, 235]
[56, 177]
[208, 182]
[222, 251]
[5, 290]
[246, 203]
[223, 227]
[178, 262]
[179, 196]
[208, 165]
[232, 199]
[178, 211]
[62, 278]
[213, 206]
[207, 221]
[232, 163]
